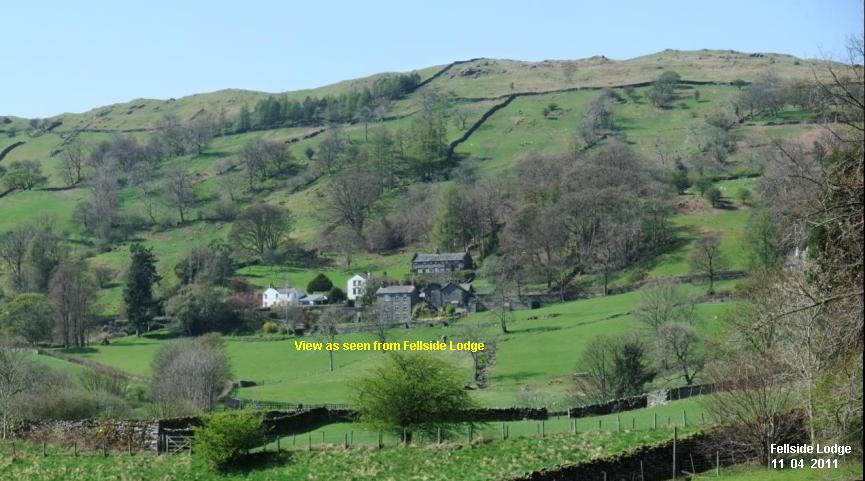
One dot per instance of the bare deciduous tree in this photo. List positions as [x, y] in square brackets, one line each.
[72, 165]
[188, 375]
[351, 198]
[73, 292]
[707, 259]
[179, 191]
[15, 377]
[260, 228]
[658, 305]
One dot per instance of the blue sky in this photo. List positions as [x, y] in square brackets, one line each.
[70, 56]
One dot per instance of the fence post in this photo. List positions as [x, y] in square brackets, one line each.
[351, 438]
[702, 417]
[684, 418]
[309, 442]
[346, 440]
[438, 435]
[503, 431]
[44, 450]
[543, 429]
[130, 444]
[633, 424]
[717, 463]
[599, 424]
[379, 440]
[618, 423]
[277, 444]
[104, 449]
[654, 420]
[675, 435]
[322, 438]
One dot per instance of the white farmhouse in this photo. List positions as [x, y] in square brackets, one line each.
[355, 286]
[289, 296]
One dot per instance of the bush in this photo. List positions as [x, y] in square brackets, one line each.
[70, 404]
[226, 437]
[421, 311]
[319, 283]
[270, 327]
[104, 379]
[336, 295]
[679, 180]
[703, 184]
[714, 196]
[744, 195]
[412, 392]
[224, 210]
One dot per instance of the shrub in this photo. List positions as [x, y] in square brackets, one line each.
[104, 379]
[270, 327]
[680, 181]
[420, 311]
[226, 437]
[71, 404]
[703, 184]
[412, 392]
[336, 295]
[319, 283]
[744, 195]
[713, 195]
[224, 210]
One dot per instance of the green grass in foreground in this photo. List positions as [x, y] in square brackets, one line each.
[667, 416]
[848, 471]
[480, 461]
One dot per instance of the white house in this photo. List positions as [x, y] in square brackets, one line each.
[290, 296]
[355, 286]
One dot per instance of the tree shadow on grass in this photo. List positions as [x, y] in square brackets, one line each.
[163, 334]
[535, 330]
[517, 376]
[681, 237]
[258, 461]
[79, 350]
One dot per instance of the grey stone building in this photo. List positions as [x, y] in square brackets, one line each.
[438, 263]
[438, 296]
[395, 303]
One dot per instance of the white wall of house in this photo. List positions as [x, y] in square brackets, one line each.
[355, 286]
[272, 297]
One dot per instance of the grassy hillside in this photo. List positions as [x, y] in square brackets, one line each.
[560, 332]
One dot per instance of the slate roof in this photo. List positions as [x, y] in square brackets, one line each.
[395, 290]
[447, 256]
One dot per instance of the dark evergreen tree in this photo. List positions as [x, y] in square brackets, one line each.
[138, 291]
[319, 283]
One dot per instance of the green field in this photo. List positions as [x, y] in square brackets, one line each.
[483, 460]
[645, 419]
[539, 354]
